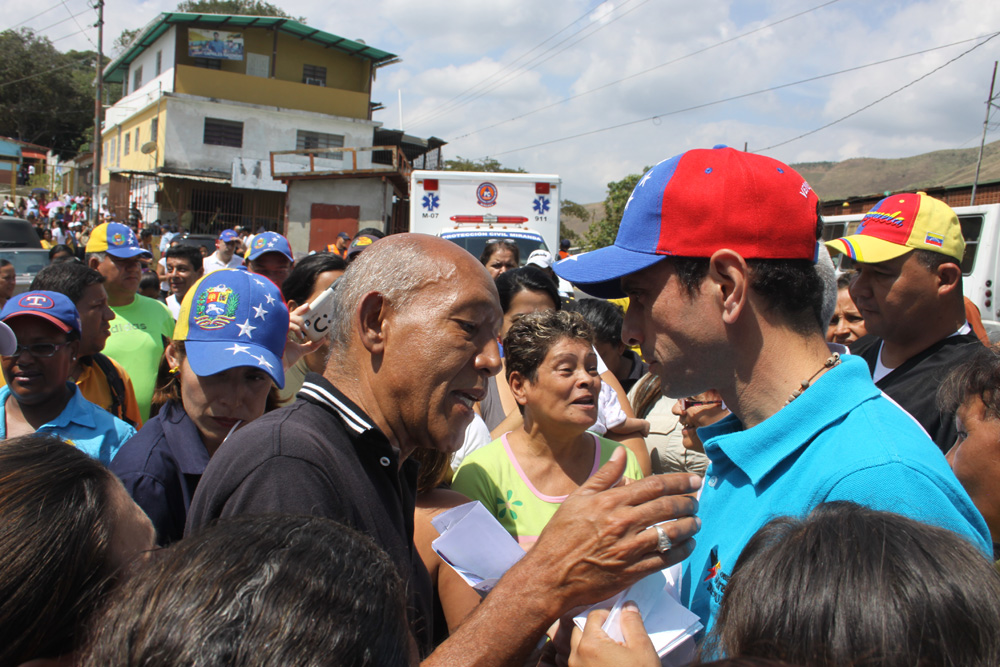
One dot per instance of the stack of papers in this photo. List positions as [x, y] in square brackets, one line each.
[480, 550]
[475, 545]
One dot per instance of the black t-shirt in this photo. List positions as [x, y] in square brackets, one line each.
[915, 383]
[322, 456]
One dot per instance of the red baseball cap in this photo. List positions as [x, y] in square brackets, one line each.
[696, 203]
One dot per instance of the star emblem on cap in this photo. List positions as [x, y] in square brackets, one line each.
[258, 311]
[237, 348]
[270, 299]
[257, 280]
[246, 328]
[261, 361]
[649, 175]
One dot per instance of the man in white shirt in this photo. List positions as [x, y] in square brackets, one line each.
[224, 256]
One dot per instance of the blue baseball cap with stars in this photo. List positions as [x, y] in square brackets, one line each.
[232, 318]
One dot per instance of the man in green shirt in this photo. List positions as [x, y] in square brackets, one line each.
[142, 326]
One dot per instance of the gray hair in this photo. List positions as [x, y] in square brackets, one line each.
[395, 270]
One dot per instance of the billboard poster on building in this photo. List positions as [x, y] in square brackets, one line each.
[215, 44]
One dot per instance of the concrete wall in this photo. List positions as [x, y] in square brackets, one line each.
[372, 195]
[265, 129]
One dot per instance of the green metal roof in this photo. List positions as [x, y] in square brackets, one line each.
[118, 67]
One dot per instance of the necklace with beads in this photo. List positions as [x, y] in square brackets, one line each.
[832, 361]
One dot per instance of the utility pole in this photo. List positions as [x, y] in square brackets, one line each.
[986, 124]
[98, 108]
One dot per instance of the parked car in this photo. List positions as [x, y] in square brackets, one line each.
[20, 245]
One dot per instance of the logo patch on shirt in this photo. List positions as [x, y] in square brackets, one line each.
[715, 577]
[216, 308]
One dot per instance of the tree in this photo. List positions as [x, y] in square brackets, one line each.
[243, 7]
[603, 232]
[123, 40]
[486, 164]
[46, 97]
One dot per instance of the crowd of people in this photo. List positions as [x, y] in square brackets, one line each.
[190, 475]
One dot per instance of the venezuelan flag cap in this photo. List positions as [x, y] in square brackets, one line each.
[117, 240]
[696, 203]
[232, 318]
[901, 223]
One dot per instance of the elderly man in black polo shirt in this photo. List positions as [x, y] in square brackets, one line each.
[414, 340]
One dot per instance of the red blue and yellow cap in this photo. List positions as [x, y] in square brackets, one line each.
[117, 240]
[231, 318]
[696, 203]
[901, 223]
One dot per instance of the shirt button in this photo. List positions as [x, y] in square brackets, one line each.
[385, 461]
[713, 480]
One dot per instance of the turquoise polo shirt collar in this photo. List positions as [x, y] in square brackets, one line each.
[761, 449]
[76, 412]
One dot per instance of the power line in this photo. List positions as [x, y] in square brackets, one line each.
[46, 11]
[646, 71]
[53, 25]
[752, 94]
[881, 99]
[59, 39]
[515, 61]
[77, 23]
[538, 60]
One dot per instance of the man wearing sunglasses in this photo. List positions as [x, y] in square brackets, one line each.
[40, 395]
[716, 252]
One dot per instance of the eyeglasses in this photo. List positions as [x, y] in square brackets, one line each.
[687, 403]
[38, 350]
[488, 241]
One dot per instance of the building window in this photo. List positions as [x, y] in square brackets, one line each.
[137, 78]
[126, 144]
[159, 63]
[136, 139]
[220, 132]
[314, 75]
[306, 139]
[208, 63]
[154, 128]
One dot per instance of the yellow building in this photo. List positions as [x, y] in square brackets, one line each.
[205, 100]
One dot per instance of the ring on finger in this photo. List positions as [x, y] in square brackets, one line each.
[663, 543]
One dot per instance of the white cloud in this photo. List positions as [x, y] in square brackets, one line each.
[450, 46]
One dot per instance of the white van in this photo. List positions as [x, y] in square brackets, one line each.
[472, 208]
[980, 266]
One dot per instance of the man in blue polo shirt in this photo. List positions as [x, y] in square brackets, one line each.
[40, 395]
[716, 253]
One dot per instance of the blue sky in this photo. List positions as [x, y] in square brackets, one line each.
[449, 47]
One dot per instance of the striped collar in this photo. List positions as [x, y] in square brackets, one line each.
[317, 389]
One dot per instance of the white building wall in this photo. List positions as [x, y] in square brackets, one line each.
[151, 86]
[265, 129]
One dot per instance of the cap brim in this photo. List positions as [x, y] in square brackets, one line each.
[8, 341]
[867, 249]
[211, 357]
[37, 313]
[599, 272]
[254, 258]
[128, 253]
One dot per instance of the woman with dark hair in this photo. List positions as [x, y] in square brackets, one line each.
[849, 585]
[525, 475]
[500, 256]
[212, 380]
[972, 393]
[259, 590]
[309, 278]
[847, 324]
[61, 253]
[55, 573]
[8, 281]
